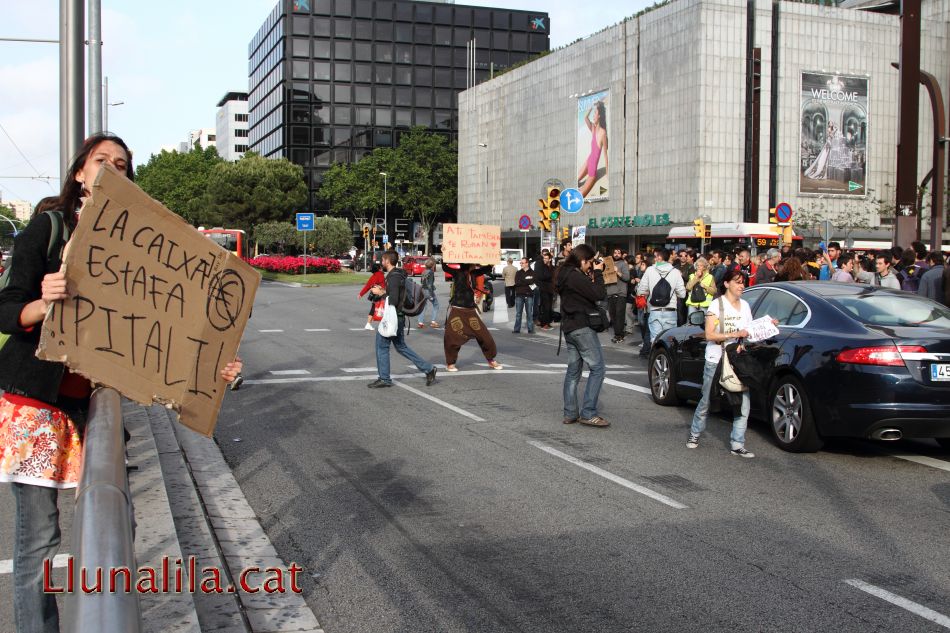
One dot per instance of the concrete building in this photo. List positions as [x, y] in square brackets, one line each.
[231, 126]
[330, 80]
[710, 110]
[22, 209]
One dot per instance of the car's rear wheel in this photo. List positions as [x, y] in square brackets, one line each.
[792, 423]
[944, 442]
[662, 378]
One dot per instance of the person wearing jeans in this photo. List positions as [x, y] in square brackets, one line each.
[617, 297]
[428, 285]
[524, 295]
[579, 296]
[661, 317]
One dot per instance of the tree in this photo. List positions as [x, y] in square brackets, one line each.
[426, 178]
[180, 182]
[331, 236]
[275, 235]
[358, 187]
[255, 190]
[7, 225]
[851, 216]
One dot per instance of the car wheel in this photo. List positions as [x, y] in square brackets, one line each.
[662, 378]
[944, 442]
[792, 423]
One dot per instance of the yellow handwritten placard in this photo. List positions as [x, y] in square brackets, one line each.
[471, 244]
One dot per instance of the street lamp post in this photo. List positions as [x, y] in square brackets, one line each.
[105, 110]
[385, 205]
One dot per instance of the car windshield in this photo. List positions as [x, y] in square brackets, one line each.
[893, 309]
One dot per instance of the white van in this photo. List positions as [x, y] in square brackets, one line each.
[514, 253]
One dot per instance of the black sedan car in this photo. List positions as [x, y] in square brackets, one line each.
[852, 361]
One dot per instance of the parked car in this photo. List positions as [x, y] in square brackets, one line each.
[853, 361]
[414, 265]
[346, 261]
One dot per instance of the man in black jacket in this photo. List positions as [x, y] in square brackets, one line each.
[525, 283]
[579, 296]
[395, 291]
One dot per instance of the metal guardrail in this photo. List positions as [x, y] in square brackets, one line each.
[103, 527]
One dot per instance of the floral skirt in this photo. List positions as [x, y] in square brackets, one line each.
[39, 445]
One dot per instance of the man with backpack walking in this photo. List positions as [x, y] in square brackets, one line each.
[396, 292]
[662, 285]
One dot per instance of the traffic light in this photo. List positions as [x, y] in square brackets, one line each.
[365, 232]
[787, 234]
[554, 203]
[545, 214]
[699, 228]
[565, 232]
[773, 219]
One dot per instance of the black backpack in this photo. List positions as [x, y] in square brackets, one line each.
[414, 299]
[662, 292]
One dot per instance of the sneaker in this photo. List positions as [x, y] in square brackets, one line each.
[595, 421]
[368, 327]
[430, 376]
[693, 441]
[742, 452]
[518, 331]
[420, 325]
[495, 364]
[379, 383]
[236, 383]
[434, 325]
[570, 420]
[451, 368]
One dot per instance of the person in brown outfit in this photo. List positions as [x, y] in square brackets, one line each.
[463, 323]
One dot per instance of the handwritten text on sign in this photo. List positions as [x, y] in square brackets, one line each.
[471, 244]
[157, 309]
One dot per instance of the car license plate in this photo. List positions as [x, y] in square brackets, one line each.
[940, 372]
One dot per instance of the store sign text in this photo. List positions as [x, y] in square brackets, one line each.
[618, 222]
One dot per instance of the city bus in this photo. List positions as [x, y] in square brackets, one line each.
[727, 236]
[233, 240]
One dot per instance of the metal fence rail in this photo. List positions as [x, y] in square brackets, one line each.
[103, 527]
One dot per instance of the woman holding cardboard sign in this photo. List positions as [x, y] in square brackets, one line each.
[463, 323]
[44, 407]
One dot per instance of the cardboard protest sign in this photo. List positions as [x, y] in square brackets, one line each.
[157, 309]
[610, 271]
[471, 244]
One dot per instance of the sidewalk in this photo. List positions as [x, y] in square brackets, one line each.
[187, 503]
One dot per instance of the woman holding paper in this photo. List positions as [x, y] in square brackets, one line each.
[727, 318]
[462, 323]
[44, 407]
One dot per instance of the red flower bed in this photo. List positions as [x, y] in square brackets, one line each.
[294, 265]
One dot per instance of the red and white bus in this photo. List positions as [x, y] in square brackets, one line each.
[727, 236]
[233, 240]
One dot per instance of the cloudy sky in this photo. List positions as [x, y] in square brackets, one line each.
[169, 62]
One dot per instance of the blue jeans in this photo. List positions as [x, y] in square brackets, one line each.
[434, 304]
[37, 539]
[739, 422]
[583, 346]
[660, 320]
[399, 342]
[524, 303]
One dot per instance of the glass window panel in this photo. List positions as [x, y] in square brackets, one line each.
[383, 94]
[384, 10]
[422, 98]
[384, 31]
[499, 19]
[342, 115]
[482, 40]
[404, 117]
[444, 99]
[443, 35]
[404, 11]
[403, 53]
[321, 92]
[343, 50]
[424, 55]
[403, 32]
[460, 57]
[363, 51]
[321, 157]
[424, 118]
[321, 70]
[343, 71]
[300, 114]
[301, 47]
[321, 136]
[422, 75]
[482, 18]
[499, 58]
[363, 73]
[519, 41]
[364, 116]
[341, 154]
[321, 27]
[443, 15]
[299, 135]
[300, 157]
[321, 49]
[537, 42]
[443, 56]
[384, 52]
[342, 28]
[443, 119]
[403, 75]
[384, 74]
[341, 135]
[362, 94]
[519, 21]
[364, 8]
[322, 7]
[343, 7]
[362, 30]
[443, 77]
[301, 25]
[423, 32]
[382, 138]
[321, 114]
[461, 35]
[301, 70]
[403, 96]
[423, 13]
[341, 93]
[384, 118]
[460, 78]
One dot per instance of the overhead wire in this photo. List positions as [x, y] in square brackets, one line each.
[10, 138]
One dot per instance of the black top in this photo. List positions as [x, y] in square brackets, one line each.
[578, 295]
[545, 276]
[463, 291]
[523, 281]
[20, 371]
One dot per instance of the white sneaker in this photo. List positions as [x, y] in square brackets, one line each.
[742, 452]
[693, 441]
[368, 327]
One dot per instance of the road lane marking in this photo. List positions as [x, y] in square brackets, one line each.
[459, 374]
[358, 329]
[269, 331]
[290, 372]
[903, 603]
[564, 366]
[626, 483]
[59, 561]
[627, 385]
[361, 370]
[921, 459]
[318, 329]
[442, 403]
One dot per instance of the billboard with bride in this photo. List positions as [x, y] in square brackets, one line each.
[834, 134]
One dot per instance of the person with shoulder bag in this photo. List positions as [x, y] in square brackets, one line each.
[579, 297]
[44, 405]
[701, 287]
[727, 319]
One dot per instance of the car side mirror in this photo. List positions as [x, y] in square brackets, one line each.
[697, 318]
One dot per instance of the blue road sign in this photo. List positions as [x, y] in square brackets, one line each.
[571, 201]
[304, 221]
[783, 212]
[524, 222]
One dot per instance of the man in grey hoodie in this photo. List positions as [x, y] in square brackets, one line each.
[617, 296]
[662, 317]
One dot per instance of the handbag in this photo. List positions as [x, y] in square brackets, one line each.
[597, 319]
[641, 302]
[378, 308]
[389, 324]
[728, 379]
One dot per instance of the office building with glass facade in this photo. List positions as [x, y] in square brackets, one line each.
[330, 80]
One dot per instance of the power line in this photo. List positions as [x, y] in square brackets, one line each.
[22, 154]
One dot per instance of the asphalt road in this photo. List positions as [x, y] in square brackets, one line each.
[468, 506]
